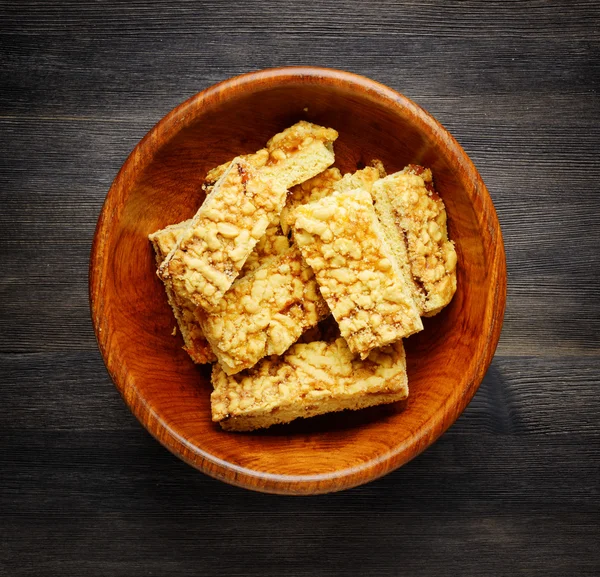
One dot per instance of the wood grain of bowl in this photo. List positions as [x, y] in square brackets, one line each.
[159, 184]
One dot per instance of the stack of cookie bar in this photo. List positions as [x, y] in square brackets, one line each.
[299, 283]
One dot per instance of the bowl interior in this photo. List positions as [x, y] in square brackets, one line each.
[161, 184]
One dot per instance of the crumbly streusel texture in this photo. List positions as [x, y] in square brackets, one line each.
[244, 295]
[211, 252]
[264, 313]
[290, 157]
[310, 379]
[272, 243]
[313, 189]
[324, 184]
[413, 217]
[195, 344]
[341, 239]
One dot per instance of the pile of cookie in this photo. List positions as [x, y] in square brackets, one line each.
[299, 283]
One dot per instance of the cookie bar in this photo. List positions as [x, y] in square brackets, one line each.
[310, 379]
[325, 184]
[290, 157]
[364, 178]
[414, 219]
[264, 312]
[273, 243]
[213, 249]
[341, 239]
[313, 189]
[195, 344]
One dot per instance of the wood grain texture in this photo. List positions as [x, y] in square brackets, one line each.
[302, 544]
[83, 489]
[510, 400]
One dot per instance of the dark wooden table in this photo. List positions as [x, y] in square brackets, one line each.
[513, 487]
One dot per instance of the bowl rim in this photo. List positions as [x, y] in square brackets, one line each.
[142, 155]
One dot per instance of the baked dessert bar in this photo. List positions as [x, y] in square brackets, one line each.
[310, 379]
[313, 189]
[325, 184]
[290, 157]
[273, 243]
[211, 252]
[195, 344]
[413, 217]
[364, 178]
[341, 239]
[264, 312]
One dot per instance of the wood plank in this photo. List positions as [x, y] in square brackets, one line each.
[63, 79]
[468, 17]
[60, 392]
[460, 473]
[241, 540]
[538, 48]
[520, 396]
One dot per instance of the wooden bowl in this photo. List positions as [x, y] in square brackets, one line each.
[159, 184]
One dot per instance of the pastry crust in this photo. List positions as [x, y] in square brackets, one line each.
[264, 313]
[363, 179]
[414, 219]
[341, 239]
[195, 344]
[310, 379]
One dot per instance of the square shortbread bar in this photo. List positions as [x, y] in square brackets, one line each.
[413, 217]
[264, 312]
[341, 239]
[310, 379]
